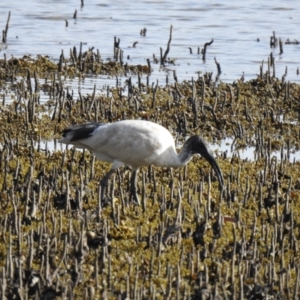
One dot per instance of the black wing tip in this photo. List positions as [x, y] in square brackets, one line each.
[80, 131]
[65, 132]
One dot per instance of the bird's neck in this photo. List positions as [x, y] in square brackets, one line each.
[184, 155]
[180, 159]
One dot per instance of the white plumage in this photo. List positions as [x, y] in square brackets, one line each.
[135, 143]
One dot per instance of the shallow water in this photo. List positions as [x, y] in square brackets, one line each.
[241, 34]
[39, 28]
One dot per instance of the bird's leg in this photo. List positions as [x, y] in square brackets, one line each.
[133, 188]
[104, 182]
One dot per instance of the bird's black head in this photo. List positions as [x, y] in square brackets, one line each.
[195, 144]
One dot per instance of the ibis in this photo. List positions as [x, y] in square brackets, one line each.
[136, 143]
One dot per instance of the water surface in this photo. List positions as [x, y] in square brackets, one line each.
[241, 32]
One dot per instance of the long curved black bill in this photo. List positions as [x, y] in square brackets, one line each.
[197, 145]
[215, 166]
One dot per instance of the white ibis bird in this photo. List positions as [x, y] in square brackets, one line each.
[136, 143]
